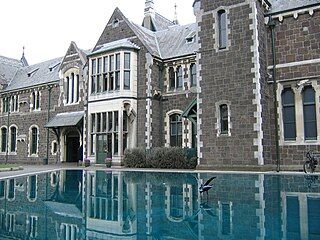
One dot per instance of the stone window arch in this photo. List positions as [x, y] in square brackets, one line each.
[33, 141]
[223, 115]
[13, 138]
[3, 138]
[288, 114]
[175, 127]
[309, 113]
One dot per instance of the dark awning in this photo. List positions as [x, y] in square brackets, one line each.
[69, 119]
[191, 111]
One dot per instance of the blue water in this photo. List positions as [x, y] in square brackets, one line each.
[137, 205]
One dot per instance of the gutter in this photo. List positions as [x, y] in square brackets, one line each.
[272, 26]
[292, 9]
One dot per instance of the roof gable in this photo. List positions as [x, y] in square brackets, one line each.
[74, 55]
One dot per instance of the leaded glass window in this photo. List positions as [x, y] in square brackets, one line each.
[289, 115]
[309, 113]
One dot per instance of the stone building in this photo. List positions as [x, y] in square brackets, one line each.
[208, 85]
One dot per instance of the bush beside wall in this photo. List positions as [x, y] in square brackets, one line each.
[168, 158]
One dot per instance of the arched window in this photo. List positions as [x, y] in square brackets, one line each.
[289, 114]
[4, 139]
[32, 188]
[309, 113]
[224, 119]
[175, 130]
[193, 75]
[179, 73]
[34, 140]
[172, 80]
[222, 28]
[67, 89]
[13, 139]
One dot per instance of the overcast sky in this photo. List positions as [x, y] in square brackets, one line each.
[46, 28]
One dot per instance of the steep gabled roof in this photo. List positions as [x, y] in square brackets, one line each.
[73, 49]
[8, 68]
[287, 5]
[36, 74]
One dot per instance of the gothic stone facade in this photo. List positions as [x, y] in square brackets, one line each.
[206, 85]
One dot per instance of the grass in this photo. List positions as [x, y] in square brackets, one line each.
[3, 165]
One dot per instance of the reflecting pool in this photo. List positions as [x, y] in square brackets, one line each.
[138, 205]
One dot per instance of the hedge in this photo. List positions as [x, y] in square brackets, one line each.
[168, 158]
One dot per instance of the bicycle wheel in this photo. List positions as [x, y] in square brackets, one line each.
[308, 167]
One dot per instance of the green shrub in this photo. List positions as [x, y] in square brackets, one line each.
[167, 158]
[135, 158]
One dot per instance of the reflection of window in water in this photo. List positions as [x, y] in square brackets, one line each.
[11, 186]
[32, 226]
[225, 218]
[69, 231]
[176, 202]
[10, 221]
[2, 186]
[32, 188]
[2, 220]
[301, 215]
[105, 196]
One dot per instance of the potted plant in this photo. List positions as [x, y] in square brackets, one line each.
[108, 160]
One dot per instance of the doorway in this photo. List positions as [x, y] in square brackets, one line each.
[73, 148]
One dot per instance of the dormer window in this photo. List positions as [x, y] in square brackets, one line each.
[115, 23]
[190, 38]
[30, 74]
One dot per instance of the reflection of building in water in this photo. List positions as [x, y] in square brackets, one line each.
[110, 206]
[46, 206]
[76, 205]
[298, 210]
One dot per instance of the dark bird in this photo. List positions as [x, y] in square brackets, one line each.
[206, 186]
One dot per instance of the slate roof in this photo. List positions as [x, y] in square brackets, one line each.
[286, 5]
[161, 23]
[8, 68]
[122, 43]
[65, 119]
[36, 74]
[173, 41]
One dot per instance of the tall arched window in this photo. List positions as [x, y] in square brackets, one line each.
[3, 139]
[289, 114]
[32, 188]
[172, 80]
[222, 28]
[176, 202]
[309, 113]
[13, 139]
[175, 130]
[34, 140]
[179, 73]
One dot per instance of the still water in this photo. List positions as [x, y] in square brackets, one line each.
[137, 205]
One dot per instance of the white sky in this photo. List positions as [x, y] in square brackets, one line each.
[46, 28]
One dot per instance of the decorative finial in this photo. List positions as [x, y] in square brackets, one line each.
[175, 21]
[23, 59]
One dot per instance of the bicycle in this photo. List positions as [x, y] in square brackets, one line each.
[311, 163]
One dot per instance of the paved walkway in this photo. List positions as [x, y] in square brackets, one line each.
[33, 169]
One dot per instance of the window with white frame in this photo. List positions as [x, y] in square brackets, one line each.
[106, 123]
[33, 140]
[223, 115]
[4, 138]
[14, 103]
[72, 88]
[222, 29]
[69, 231]
[13, 139]
[289, 114]
[175, 78]
[35, 101]
[193, 75]
[225, 218]
[5, 104]
[10, 222]
[111, 72]
[54, 147]
[175, 130]
[309, 113]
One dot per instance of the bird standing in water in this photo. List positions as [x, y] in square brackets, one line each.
[205, 187]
